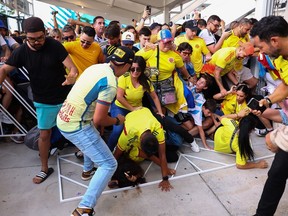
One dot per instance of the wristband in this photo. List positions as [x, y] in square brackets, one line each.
[165, 178]
[269, 101]
[117, 121]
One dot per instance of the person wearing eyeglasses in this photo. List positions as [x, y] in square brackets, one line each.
[43, 58]
[208, 34]
[198, 44]
[85, 52]
[130, 91]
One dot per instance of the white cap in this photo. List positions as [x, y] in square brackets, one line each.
[127, 38]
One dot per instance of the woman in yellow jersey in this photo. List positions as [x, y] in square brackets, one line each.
[235, 100]
[167, 60]
[130, 91]
[231, 137]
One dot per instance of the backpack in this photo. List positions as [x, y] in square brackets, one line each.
[57, 139]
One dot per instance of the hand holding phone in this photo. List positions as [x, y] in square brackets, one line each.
[254, 105]
[148, 9]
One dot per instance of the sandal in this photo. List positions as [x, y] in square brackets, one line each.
[42, 176]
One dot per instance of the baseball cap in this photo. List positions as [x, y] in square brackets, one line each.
[192, 24]
[121, 56]
[2, 25]
[248, 48]
[164, 36]
[127, 38]
[154, 25]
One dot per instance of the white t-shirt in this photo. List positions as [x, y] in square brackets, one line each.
[2, 41]
[208, 37]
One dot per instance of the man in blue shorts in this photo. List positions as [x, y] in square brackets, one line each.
[44, 58]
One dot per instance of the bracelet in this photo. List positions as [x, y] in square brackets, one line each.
[165, 178]
[117, 121]
[143, 19]
[269, 101]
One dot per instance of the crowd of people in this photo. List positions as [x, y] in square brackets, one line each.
[159, 86]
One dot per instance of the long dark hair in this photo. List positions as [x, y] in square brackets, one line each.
[246, 125]
[142, 79]
[245, 89]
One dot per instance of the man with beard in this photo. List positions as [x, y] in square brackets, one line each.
[208, 34]
[270, 35]
[44, 58]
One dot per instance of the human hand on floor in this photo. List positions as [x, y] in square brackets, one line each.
[165, 185]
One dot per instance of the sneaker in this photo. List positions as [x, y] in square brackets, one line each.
[83, 212]
[261, 132]
[194, 146]
[79, 154]
[88, 175]
[17, 139]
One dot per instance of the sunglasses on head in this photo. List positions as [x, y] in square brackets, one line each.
[69, 37]
[135, 69]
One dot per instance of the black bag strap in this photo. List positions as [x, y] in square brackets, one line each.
[157, 64]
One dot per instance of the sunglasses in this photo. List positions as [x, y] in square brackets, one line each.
[86, 42]
[71, 37]
[135, 69]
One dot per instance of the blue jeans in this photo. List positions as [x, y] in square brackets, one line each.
[95, 150]
[117, 129]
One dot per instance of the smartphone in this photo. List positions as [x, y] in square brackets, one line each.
[254, 105]
[148, 8]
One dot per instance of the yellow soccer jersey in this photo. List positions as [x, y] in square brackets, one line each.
[199, 49]
[83, 58]
[231, 106]
[168, 61]
[136, 123]
[223, 137]
[132, 95]
[233, 40]
[224, 58]
[281, 65]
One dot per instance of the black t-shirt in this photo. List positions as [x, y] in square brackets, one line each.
[46, 70]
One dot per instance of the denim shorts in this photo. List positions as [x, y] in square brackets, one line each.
[284, 117]
[46, 115]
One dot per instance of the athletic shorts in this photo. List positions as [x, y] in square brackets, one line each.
[46, 115]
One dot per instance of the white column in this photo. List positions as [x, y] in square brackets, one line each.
[263, 8]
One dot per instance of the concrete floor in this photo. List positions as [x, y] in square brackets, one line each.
[211, 186]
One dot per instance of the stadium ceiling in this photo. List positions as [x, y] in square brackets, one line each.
[122, 10]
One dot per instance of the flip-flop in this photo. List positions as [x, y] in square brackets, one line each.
[43, 175]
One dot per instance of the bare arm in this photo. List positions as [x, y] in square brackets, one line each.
[101, 117]
[280, 93]
[218, 79]
[157, 103]
[4, 71]
[73, 72]
[120, 97]
[78, 22]
[214, 47]
[55, 23]
[142, 21]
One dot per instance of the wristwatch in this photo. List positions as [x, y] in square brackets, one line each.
[165, 178]
[117, 121]
[268, 101]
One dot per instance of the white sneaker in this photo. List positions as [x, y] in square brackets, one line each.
[194, 146]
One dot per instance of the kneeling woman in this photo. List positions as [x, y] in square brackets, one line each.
[233, 138]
